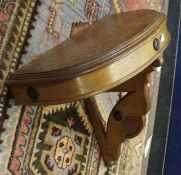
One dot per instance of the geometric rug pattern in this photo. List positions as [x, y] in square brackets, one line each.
[55, 139]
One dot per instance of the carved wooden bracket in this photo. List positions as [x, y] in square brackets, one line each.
[126, 119]
[117, 54]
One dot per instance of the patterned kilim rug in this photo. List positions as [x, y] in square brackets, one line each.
[32, 138]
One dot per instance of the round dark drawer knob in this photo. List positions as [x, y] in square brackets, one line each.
[118, 116]
[32, 93]
[156, 44]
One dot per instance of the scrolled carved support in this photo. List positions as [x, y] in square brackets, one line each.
[126, 118]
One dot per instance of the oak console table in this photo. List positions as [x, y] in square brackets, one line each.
[115, 54]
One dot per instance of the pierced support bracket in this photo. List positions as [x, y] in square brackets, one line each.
[126, 118]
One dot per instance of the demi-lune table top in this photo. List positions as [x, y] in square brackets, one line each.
[102, 56]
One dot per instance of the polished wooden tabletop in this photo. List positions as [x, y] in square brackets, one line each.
[104, 55]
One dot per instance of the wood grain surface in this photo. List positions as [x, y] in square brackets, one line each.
[104, 55]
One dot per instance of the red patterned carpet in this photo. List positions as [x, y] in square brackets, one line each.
[32, 138]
